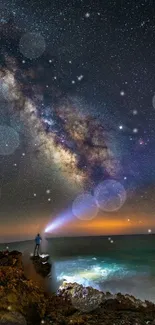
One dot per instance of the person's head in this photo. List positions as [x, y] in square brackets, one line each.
[38, 235]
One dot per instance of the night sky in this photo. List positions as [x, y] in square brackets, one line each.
[77, 108]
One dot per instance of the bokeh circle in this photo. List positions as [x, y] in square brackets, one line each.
[153, 101]
[32, 45]
[86, 299]
[84, 207]
[110, 195]
[17, 124]
[9, 140]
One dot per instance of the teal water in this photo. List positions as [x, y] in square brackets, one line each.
[127, 265]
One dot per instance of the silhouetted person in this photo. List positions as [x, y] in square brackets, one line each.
[37, 246]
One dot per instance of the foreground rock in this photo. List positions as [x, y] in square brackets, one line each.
[13, 259]
[23, 302]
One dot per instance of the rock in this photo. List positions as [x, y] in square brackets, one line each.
[13, 258]
[41, 267]
[12, 318]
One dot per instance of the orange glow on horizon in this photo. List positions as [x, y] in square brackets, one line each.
[97, 226]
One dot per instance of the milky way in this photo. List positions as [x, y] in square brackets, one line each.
[76, 143]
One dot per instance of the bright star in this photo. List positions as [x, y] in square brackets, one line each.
[80, 77]
[135, 130]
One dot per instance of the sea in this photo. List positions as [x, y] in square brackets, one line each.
[115, 264]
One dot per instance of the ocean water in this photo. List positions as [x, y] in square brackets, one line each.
[127, 265]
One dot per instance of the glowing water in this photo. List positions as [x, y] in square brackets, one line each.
[106, 275]
[127, 265]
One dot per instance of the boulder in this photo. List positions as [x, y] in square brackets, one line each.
[42, 267]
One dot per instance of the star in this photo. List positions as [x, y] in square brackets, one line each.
[134, 112]
[48, 191]
[142, 23]
[73, 81]
[141, 142]
[80, 77]
[122, 93]
[34, 194]
[49, 199]
[121, 127]
[87, 15]
[149, 231]
[135, 130]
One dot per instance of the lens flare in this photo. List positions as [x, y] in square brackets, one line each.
[9, 140]
[110, 195]
[84, 207]
[32, 45]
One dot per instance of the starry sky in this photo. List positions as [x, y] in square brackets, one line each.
[77, 109]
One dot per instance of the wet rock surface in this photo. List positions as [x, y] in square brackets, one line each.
[41, 265]
[23, 302]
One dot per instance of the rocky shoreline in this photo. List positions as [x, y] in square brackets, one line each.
[24, 302]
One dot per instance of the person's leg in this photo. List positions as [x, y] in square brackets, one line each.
[37, 249]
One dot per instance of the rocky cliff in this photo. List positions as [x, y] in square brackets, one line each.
[23, 302]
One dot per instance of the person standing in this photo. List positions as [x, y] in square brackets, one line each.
[38, 240]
